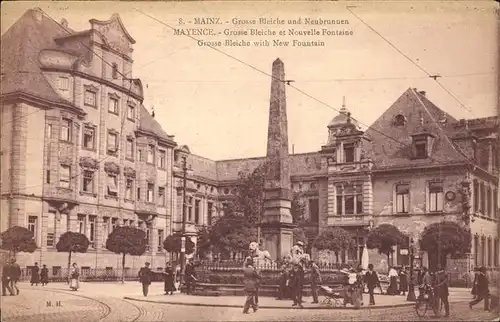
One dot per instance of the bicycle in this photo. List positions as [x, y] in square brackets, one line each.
[428, 300]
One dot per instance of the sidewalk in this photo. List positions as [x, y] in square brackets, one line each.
[382, 301]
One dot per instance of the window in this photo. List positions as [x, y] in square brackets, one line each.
[421, 150]
[63, 83]
[90, 98]
[476, 196]
[349, 199]
[139, 155]
[33, 225]
[150, 195]
[129, 185]
[349, 153]
[197, 211]
[130, 149]
[48, 132]
[161, 196]
[88, 181]
[210, 208]
[112, 185]
[47, 176]
[148, 239]
[112, 142]
[66, 126]
[151, 154]
[313, 210]
[114, 72]
[489, 257]
[114, 223]
[92, 231]
[482, 192]
[81, 224]
[161, 159]
[131, 112]
[63, 222]
[190, 209]
[399, 120]
[64, 176]
[89, 137]
[161, 237]
[113, 105]
[489, 203]
[476, 251]
[138, 193]
[402, 198]
[436, 203]
[51, 229]
[495, 253]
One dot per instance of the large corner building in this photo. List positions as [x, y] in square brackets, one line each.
[80, 152]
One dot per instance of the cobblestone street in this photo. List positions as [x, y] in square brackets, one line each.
[104, 302]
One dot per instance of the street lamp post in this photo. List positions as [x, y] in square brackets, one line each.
[183, 231]
[411, 288]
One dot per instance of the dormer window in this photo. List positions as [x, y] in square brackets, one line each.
[399, 120]
[348, 153]
[422, 144]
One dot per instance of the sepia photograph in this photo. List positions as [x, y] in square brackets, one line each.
[249, 161]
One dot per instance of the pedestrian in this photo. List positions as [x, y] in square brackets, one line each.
[403, 281]
[296, 284]
[372, 281]
[474, 283]
[425, 284]
[283, 285]
[169, 280]
[190, 276]
[315, 280]
[15, 275]
[393, 282]
[145, 278]
[251, 280]
[74, 284]
[6, 279]
[44, 275]
[483, 291]
[35, 275]
[442, 289]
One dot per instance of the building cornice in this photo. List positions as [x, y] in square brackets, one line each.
[162, 141]
[17, 96]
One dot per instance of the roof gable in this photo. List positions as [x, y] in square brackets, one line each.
[149, 125]
[391, 144]
[115, 33]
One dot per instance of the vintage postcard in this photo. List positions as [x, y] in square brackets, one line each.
[249, 161]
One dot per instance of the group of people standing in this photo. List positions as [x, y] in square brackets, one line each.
[170, 276]
[39, 275]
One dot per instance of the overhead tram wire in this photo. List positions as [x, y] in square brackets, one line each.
[435, 77]
[294, 87]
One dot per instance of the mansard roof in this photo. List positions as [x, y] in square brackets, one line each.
[149, 125]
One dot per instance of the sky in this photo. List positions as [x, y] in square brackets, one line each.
[218, 105]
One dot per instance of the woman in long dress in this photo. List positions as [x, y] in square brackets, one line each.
[75, 277]
[393, 282]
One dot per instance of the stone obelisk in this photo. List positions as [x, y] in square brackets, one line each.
[276, 223]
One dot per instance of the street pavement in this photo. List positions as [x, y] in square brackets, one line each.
[105, 302]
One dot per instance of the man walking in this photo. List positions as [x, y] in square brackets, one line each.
[371, 281]
[442, 289]
[296, 284]
[483, 291]
[6, 277]
[15, 275]
[190, 276]
[315, 280]
[145, 278]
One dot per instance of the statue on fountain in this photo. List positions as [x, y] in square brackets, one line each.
[260, 257]
[298, 255]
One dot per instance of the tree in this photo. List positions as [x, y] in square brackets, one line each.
[249, 193]
[335, 239]
[72, 242]
[443, 239]
[232, 232]
[384, 237]
[203, 243]
[18, 239]
[173, 244]
[126, 240]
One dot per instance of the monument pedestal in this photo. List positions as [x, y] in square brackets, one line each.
[277, 239]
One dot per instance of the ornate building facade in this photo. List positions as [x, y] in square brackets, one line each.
[80, 152]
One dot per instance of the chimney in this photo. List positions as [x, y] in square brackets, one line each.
[37, 14]
[422, 93]
[64, 23]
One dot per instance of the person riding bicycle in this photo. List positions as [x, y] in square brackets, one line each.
[426, 287]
